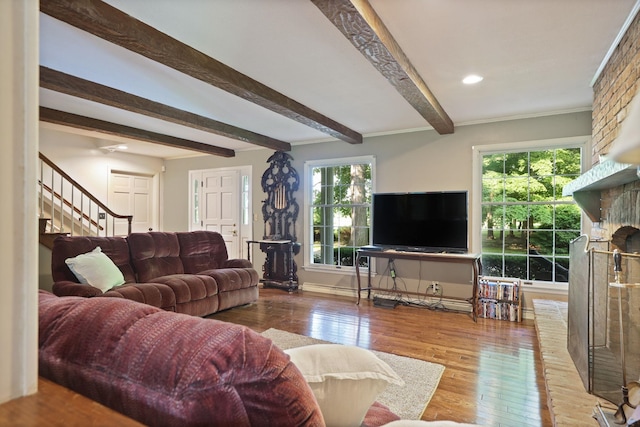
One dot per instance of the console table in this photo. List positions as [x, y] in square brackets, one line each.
[471, 259]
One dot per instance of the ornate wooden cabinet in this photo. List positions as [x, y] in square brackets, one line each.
[280, 212]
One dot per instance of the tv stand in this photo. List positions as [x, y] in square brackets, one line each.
[466, 258]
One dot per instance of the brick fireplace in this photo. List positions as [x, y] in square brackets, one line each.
[609, 194]
[595, 306]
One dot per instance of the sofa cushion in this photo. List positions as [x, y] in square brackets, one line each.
[96, 269]
[346, 380]
[237, 298]
[379, 415]
[170, 369]
[421, 423]
[66, 288]
[190, 287]
[155, 294]
[232, 279]
[154, 254]
[202, 250]
[116, 248]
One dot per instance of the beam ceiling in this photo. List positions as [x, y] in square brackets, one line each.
[111, 24]
[361, 25]
[87, 123]
[75, 86]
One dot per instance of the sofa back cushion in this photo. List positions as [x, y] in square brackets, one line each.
[154, 254]
[116, 248]
[202, 250]
[189, 371]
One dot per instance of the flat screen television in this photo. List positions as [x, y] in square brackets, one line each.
[428, 221]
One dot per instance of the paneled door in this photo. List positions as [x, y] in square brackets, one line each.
[220, 206]
[132, 194]
[216, 205]
[220, 200]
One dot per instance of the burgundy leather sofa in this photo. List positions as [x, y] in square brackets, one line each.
[186, 272]
[170, 369]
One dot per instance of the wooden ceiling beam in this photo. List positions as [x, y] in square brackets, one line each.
[87, 123]
[103, 20]
[361, 25]
[75, 86]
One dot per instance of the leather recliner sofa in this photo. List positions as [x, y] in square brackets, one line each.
[170, 369]
[185, 272]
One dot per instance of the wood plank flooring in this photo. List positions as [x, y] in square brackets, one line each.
[493, 374]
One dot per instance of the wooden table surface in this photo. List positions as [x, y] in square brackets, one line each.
[54, 405]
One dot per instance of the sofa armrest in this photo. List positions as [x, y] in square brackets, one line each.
[237, 263]
[66, 288]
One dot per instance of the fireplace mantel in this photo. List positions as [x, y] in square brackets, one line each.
[586, 188]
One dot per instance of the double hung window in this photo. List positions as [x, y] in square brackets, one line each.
[527, 223]
[338, 210]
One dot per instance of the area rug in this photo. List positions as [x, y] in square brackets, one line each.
[409, 401]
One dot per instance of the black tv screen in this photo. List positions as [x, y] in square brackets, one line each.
[429, 221]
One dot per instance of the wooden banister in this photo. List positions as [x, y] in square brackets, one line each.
[70, 205]
[86, 192]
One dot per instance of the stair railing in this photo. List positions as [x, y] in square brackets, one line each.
[73, 209]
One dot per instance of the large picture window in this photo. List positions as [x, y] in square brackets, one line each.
[526, 222]
[338, 196]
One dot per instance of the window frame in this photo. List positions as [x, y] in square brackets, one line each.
[581, 142]
[309, 165]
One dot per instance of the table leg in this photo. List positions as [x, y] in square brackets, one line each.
[358, 277]
[477, 267]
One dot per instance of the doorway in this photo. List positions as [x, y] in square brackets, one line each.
[133, 194]
[220, 200]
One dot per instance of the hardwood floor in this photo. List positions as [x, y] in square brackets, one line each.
[493, 374]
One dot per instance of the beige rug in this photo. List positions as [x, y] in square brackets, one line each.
[409, 401]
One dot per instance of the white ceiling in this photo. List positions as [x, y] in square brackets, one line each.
[537, 57]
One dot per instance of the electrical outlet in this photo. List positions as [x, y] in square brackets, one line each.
[435, 287]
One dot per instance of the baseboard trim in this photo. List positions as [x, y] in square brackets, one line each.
[450, 304]
[326, 289]
[336, 290]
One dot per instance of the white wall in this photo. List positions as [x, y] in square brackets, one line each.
[79, 156]
[418, 161]
[19, 136]
[176, 184]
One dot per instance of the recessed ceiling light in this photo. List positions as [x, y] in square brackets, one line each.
[472, 79]
[122, 147]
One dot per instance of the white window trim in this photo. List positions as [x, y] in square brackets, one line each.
[583, 142]
[307, 250]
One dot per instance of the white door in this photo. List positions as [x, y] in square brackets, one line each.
[132, 195]
[219, 202]
[220, 206]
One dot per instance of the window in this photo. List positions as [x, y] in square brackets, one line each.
[244, 204]
[338, 209]
[526, 222]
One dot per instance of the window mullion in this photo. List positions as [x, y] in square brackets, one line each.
[529, 205]
[331, 209]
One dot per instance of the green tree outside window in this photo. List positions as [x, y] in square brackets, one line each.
[341, 212]
[526, 222]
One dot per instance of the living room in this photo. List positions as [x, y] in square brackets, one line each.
[427, 161]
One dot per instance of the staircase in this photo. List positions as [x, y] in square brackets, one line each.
[67, 208]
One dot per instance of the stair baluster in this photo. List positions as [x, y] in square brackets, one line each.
[71, 209]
